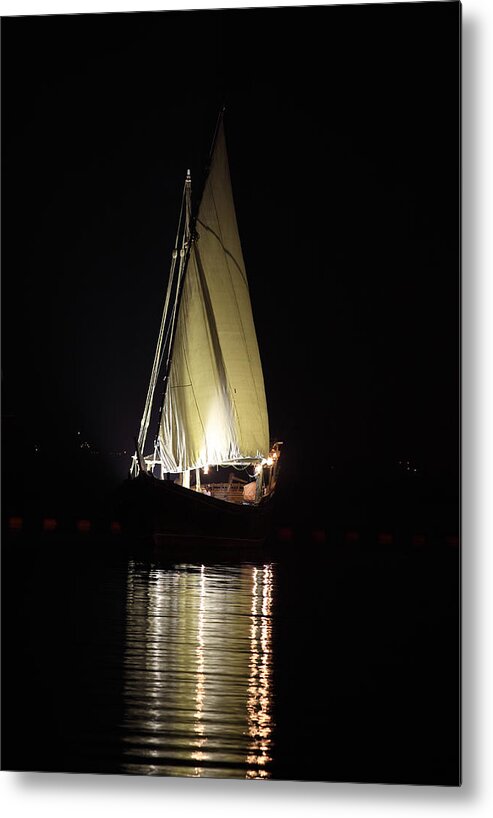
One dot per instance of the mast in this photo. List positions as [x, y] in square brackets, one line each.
[166, 326]
[189, 237]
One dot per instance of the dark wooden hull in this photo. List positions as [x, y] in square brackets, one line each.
[173, 516]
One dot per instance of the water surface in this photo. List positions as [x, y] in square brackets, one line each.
[322, 663]
[197, 670]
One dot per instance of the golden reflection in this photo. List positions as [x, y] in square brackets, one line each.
[198, 671]
[201, 740]
[259, 687]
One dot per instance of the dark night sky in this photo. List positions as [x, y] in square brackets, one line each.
[343, 134]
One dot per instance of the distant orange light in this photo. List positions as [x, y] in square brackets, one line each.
[285, 534]
[83, 525]
[49, 524]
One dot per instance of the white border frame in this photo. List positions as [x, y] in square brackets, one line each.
[56, 795]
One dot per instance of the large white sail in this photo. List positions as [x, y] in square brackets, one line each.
[215, 409]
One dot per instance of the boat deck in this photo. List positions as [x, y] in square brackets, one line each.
[232, 492]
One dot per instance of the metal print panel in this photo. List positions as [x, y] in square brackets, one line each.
[284, 182]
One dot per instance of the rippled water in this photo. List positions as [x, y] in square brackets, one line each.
[197, 670]
[321, 664]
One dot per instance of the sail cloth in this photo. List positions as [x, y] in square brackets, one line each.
[215, 408]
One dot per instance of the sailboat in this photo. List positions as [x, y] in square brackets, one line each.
[211, 473]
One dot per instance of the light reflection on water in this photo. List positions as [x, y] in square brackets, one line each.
[198, 670]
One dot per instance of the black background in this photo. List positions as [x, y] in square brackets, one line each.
[343, 133]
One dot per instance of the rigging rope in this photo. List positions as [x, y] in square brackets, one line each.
[158, 357]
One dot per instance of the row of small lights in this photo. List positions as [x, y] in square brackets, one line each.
[284, 534]
[320, 536]
[51, 524]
